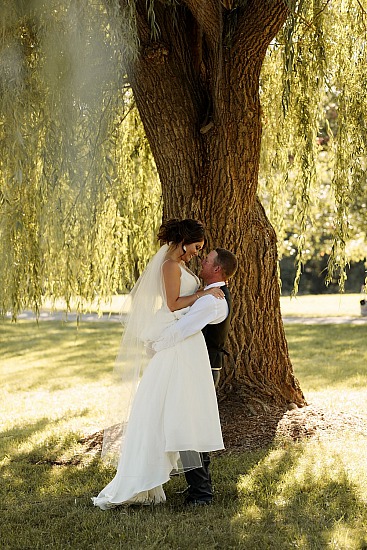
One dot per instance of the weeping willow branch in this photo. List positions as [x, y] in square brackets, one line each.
[80, 198]
[314, 144]
[76, 172]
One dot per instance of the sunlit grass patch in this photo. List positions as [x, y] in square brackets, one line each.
[56, 368]
[56, 381]
[114, 305]
[306, 495]
[55, 386]
[328, 356]
[321, 305]
[62, 350]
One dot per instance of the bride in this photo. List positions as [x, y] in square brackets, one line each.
[166, 410]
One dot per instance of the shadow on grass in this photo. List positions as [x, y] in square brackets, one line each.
[289, 500]
[60, 350]
[28, 443]
[275, 498]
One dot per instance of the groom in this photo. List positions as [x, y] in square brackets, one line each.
[212, 316]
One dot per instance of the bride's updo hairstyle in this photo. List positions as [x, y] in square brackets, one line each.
[176, 231]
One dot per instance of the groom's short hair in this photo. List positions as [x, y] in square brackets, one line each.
[227, 261]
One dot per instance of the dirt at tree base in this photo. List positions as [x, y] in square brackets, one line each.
[245, 432]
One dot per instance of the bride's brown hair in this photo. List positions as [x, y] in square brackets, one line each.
[186, 231]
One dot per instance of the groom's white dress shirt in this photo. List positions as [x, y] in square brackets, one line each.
[207, 310]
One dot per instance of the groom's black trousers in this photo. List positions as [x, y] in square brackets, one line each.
[199, 481]
[200, 485]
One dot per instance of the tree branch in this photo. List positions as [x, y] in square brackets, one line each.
[258, 24]
[208, 15]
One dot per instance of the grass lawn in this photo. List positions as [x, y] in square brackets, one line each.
[55, 383]
[323, 305]
[330, 305]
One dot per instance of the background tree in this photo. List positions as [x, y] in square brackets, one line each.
[318, 229]
[319, 172]
[196, 70]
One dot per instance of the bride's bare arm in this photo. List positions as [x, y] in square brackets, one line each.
[172, 280]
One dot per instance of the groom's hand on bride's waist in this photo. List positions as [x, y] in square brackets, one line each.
[149, 349]
[168, 339]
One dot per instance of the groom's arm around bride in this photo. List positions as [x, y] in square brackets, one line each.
[212, 316]
[208, 314]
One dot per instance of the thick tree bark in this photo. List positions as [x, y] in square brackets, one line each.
[197, 91]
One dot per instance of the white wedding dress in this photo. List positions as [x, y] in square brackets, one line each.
[175, 409]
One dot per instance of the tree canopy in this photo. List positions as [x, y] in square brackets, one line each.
[79, 192]
[314, 143]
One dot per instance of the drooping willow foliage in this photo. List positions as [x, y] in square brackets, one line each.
[314, 100]
[79, 193]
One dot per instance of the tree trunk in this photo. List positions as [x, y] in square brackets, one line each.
[197, 90]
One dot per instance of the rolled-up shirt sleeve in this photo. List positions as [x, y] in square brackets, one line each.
[206, 310]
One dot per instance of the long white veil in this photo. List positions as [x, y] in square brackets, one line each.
[144, 303]
[145, 299]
